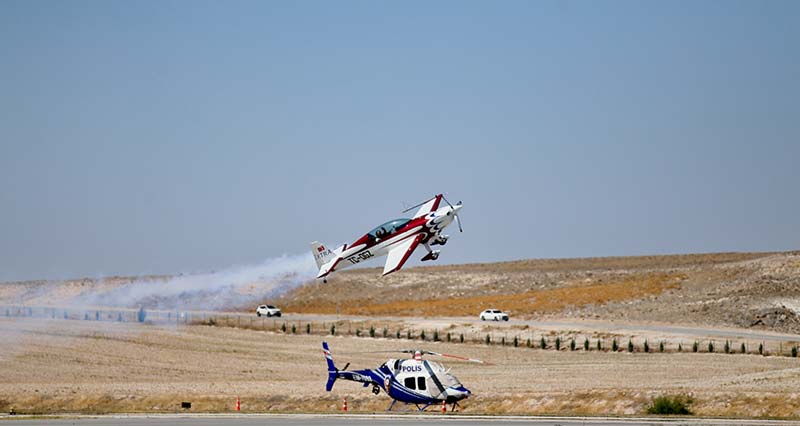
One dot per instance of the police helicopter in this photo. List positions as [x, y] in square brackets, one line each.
[411, 381]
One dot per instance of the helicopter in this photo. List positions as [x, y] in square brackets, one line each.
[397, 239]
[410, 381]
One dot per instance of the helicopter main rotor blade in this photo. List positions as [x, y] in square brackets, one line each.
[463, 358]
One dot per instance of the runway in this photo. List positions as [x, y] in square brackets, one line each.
[359, 420]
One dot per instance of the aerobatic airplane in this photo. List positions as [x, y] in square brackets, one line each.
[397, 238]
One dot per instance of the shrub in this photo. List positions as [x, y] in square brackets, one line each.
[516, 341]
[599, 344]
[670, 405]
[794, 351]
[67, 316]
[408, 334]
[503, 341]
[371, 331]
[97, 316]
[422, 335]
[558, 343]
[461, 337]
[119, 316]
[646, 346]
[543, 343]
[572, 344]
[488, 339]
[333, 330]
[661, 346]
[528, 342]
[294, 329]
[283, 327]
[358, 332]
[308, 328]
[86, 316]
[710, 347]
[435, 335]
[761, 349]
[397, 334]
[385, 332]
[743, 348]
[727, 347]
[630, 345]
[614, 345]
[141, 315]
[695, 347]
[448, 337]
[586, 344]
[680, 347]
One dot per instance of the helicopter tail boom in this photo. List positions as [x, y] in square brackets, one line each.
[333, 372]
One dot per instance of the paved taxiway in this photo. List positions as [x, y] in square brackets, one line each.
[365, 420]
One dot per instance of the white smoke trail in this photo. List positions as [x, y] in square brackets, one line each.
[228, 288]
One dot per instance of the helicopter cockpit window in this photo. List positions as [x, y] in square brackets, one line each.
[421, 383]
[410, 382]
[448, 380]
[388, 228]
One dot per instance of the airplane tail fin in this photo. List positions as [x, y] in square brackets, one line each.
[332, 371]
[322, 254]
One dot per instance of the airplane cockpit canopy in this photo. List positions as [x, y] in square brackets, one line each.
[388, 228]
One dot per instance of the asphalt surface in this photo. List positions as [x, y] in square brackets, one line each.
[359, 420]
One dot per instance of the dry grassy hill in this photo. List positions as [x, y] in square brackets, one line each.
[760, 290]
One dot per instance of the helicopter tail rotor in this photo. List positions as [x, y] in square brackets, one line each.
[333, 372]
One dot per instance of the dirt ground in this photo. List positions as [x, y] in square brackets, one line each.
[91, 367]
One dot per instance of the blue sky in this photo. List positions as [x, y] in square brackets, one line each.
[165, 137]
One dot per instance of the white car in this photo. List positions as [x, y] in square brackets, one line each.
[493, 315]
[268, 310]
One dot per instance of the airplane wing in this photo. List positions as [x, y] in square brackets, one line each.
[399, 253]
[429, 206]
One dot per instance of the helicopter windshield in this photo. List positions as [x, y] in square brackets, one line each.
[388, 228]
[448, 380]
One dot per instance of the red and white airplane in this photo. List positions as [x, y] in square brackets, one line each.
[397, 238]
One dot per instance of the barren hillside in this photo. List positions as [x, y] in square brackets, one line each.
[760, 290]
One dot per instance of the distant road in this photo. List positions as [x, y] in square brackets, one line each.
[359, 420]
[185, 317]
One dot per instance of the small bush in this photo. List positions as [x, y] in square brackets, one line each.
[761, 349]
[680, 347]
[661, 346]
[630, 345]
[516, 341]
[727, 347]
[283, 327]
[119, 316]
[670, 405]
[448, 337]
[308, 328]
[794, 351]
[614, 345]
[543, 343]
[435, 335]
[711, 347]
[572, 344]
[97, 316]
[141, 315]
[408, 334]
[461, 337]
[503, 341]
[695, 347]
[371, 331]
[646, 346]
[358, 332]
[422, 335]
[488, 339]
[528, 342]
[599, 344]
[397, 334]
[333, 330]
[586, 344]
[294, 329]
[743, 348]
[385, 332]
[86, 316]
[558, 343]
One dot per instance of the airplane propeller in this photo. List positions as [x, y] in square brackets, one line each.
[458, 219]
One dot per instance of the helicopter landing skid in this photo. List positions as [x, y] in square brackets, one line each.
[419, 408]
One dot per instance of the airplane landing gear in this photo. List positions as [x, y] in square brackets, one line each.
[440, 240]
[433, 255]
